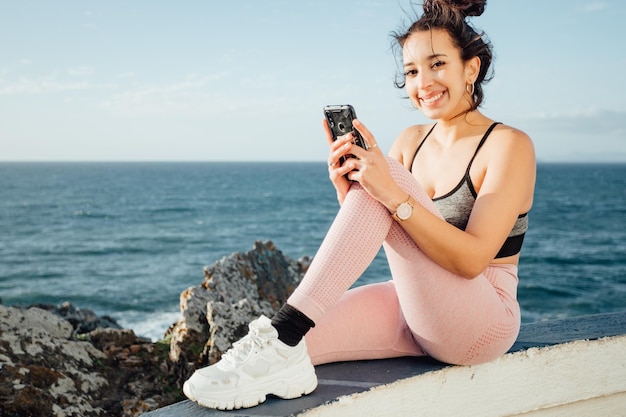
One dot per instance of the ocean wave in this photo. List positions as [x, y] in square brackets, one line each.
[90, 214]
[152, 325]
[171, 210]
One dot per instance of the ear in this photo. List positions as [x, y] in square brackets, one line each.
[472, 68]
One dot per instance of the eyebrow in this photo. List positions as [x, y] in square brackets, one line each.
[427, 58]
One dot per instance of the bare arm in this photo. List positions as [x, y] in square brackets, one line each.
[505, 191]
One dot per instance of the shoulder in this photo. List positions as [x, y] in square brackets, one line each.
[508, 143]
[508, 136]
[509, 161]
[407, 142]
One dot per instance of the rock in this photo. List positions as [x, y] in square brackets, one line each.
[236, 290]
[43, 371]
[66, 361]
[47, 369]
[83, 320]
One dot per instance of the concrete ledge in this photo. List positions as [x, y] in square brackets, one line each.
[538, 380]
[572, 367]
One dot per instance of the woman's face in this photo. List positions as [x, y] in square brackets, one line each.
[436, 76]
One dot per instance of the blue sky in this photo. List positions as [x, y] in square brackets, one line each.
[246, 80]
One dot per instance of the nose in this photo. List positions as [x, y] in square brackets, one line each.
[423, 80]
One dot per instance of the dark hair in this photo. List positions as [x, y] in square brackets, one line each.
[450, 15]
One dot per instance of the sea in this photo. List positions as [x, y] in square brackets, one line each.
[125, 239]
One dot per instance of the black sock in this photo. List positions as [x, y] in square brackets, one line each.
[291, 325]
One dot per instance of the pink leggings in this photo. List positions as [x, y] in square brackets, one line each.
[425, 310]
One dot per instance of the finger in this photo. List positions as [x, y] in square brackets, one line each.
[329, 135]
[338, 174]
[341, 147]
[365, 133]
[344, 140]
[341, 170]
[357, 151]
[351, 164]
[353, 175]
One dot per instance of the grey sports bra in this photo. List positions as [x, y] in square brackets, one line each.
[456, 206]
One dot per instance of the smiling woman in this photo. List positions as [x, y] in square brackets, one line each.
[449, 205]
[474, 47]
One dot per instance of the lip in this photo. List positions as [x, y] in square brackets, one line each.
[431, 99]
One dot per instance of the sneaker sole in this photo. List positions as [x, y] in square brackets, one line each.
[284, 386]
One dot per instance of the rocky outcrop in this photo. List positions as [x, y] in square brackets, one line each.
[48, 368]
[235, 291]
[43, 372]
[82, 320]
[64, 361]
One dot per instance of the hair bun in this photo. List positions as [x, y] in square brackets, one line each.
[465, 7]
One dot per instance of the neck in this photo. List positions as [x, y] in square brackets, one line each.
[460, 126]
[466, 117]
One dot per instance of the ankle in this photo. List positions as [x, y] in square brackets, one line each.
[291, 325]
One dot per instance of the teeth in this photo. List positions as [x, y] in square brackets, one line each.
[432, 99]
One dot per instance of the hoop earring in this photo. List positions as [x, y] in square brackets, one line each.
[470, 89]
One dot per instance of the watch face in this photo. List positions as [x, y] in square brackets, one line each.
[404, 211]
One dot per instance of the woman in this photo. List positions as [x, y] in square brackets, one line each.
[449, 206]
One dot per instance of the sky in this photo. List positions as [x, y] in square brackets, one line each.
[246, 80]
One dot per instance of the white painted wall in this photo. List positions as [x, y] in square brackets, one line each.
[580, 378]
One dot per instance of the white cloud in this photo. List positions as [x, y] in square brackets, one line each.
[24, 85]
[128, 74]
[49, 84]
[81, 71]
[588, 136]
[596, 122]
[594, 6]
[190, 95]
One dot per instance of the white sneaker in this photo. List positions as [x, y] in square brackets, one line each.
[257, 365]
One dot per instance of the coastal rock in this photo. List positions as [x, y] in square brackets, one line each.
[82, 320]
[43, 371]
[236, 290]
[64, 361]
[48, 369]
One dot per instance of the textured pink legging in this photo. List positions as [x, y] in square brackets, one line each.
[425, 310]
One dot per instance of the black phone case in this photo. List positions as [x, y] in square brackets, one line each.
[339, 118]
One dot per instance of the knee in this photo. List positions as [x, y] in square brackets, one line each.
[396, 169]
[402, 176]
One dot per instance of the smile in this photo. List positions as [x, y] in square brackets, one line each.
[432, 99]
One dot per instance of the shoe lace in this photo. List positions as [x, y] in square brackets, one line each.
[242, 349]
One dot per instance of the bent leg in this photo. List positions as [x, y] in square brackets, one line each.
[454, 319]
[353, 240]
[451, 318]
[366, 323]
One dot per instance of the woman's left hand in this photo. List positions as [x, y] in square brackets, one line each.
[370, 168]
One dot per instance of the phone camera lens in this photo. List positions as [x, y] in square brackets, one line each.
[341, 126]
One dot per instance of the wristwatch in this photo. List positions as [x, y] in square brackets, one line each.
[404, 210]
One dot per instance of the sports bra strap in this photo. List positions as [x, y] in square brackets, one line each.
[480, 145]
[420, 146]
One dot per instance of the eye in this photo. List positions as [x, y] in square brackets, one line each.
[437, 64]
[410, 73]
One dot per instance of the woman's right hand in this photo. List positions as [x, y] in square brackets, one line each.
[336, 172]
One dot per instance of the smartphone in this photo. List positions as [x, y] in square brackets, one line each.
[339, 118]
